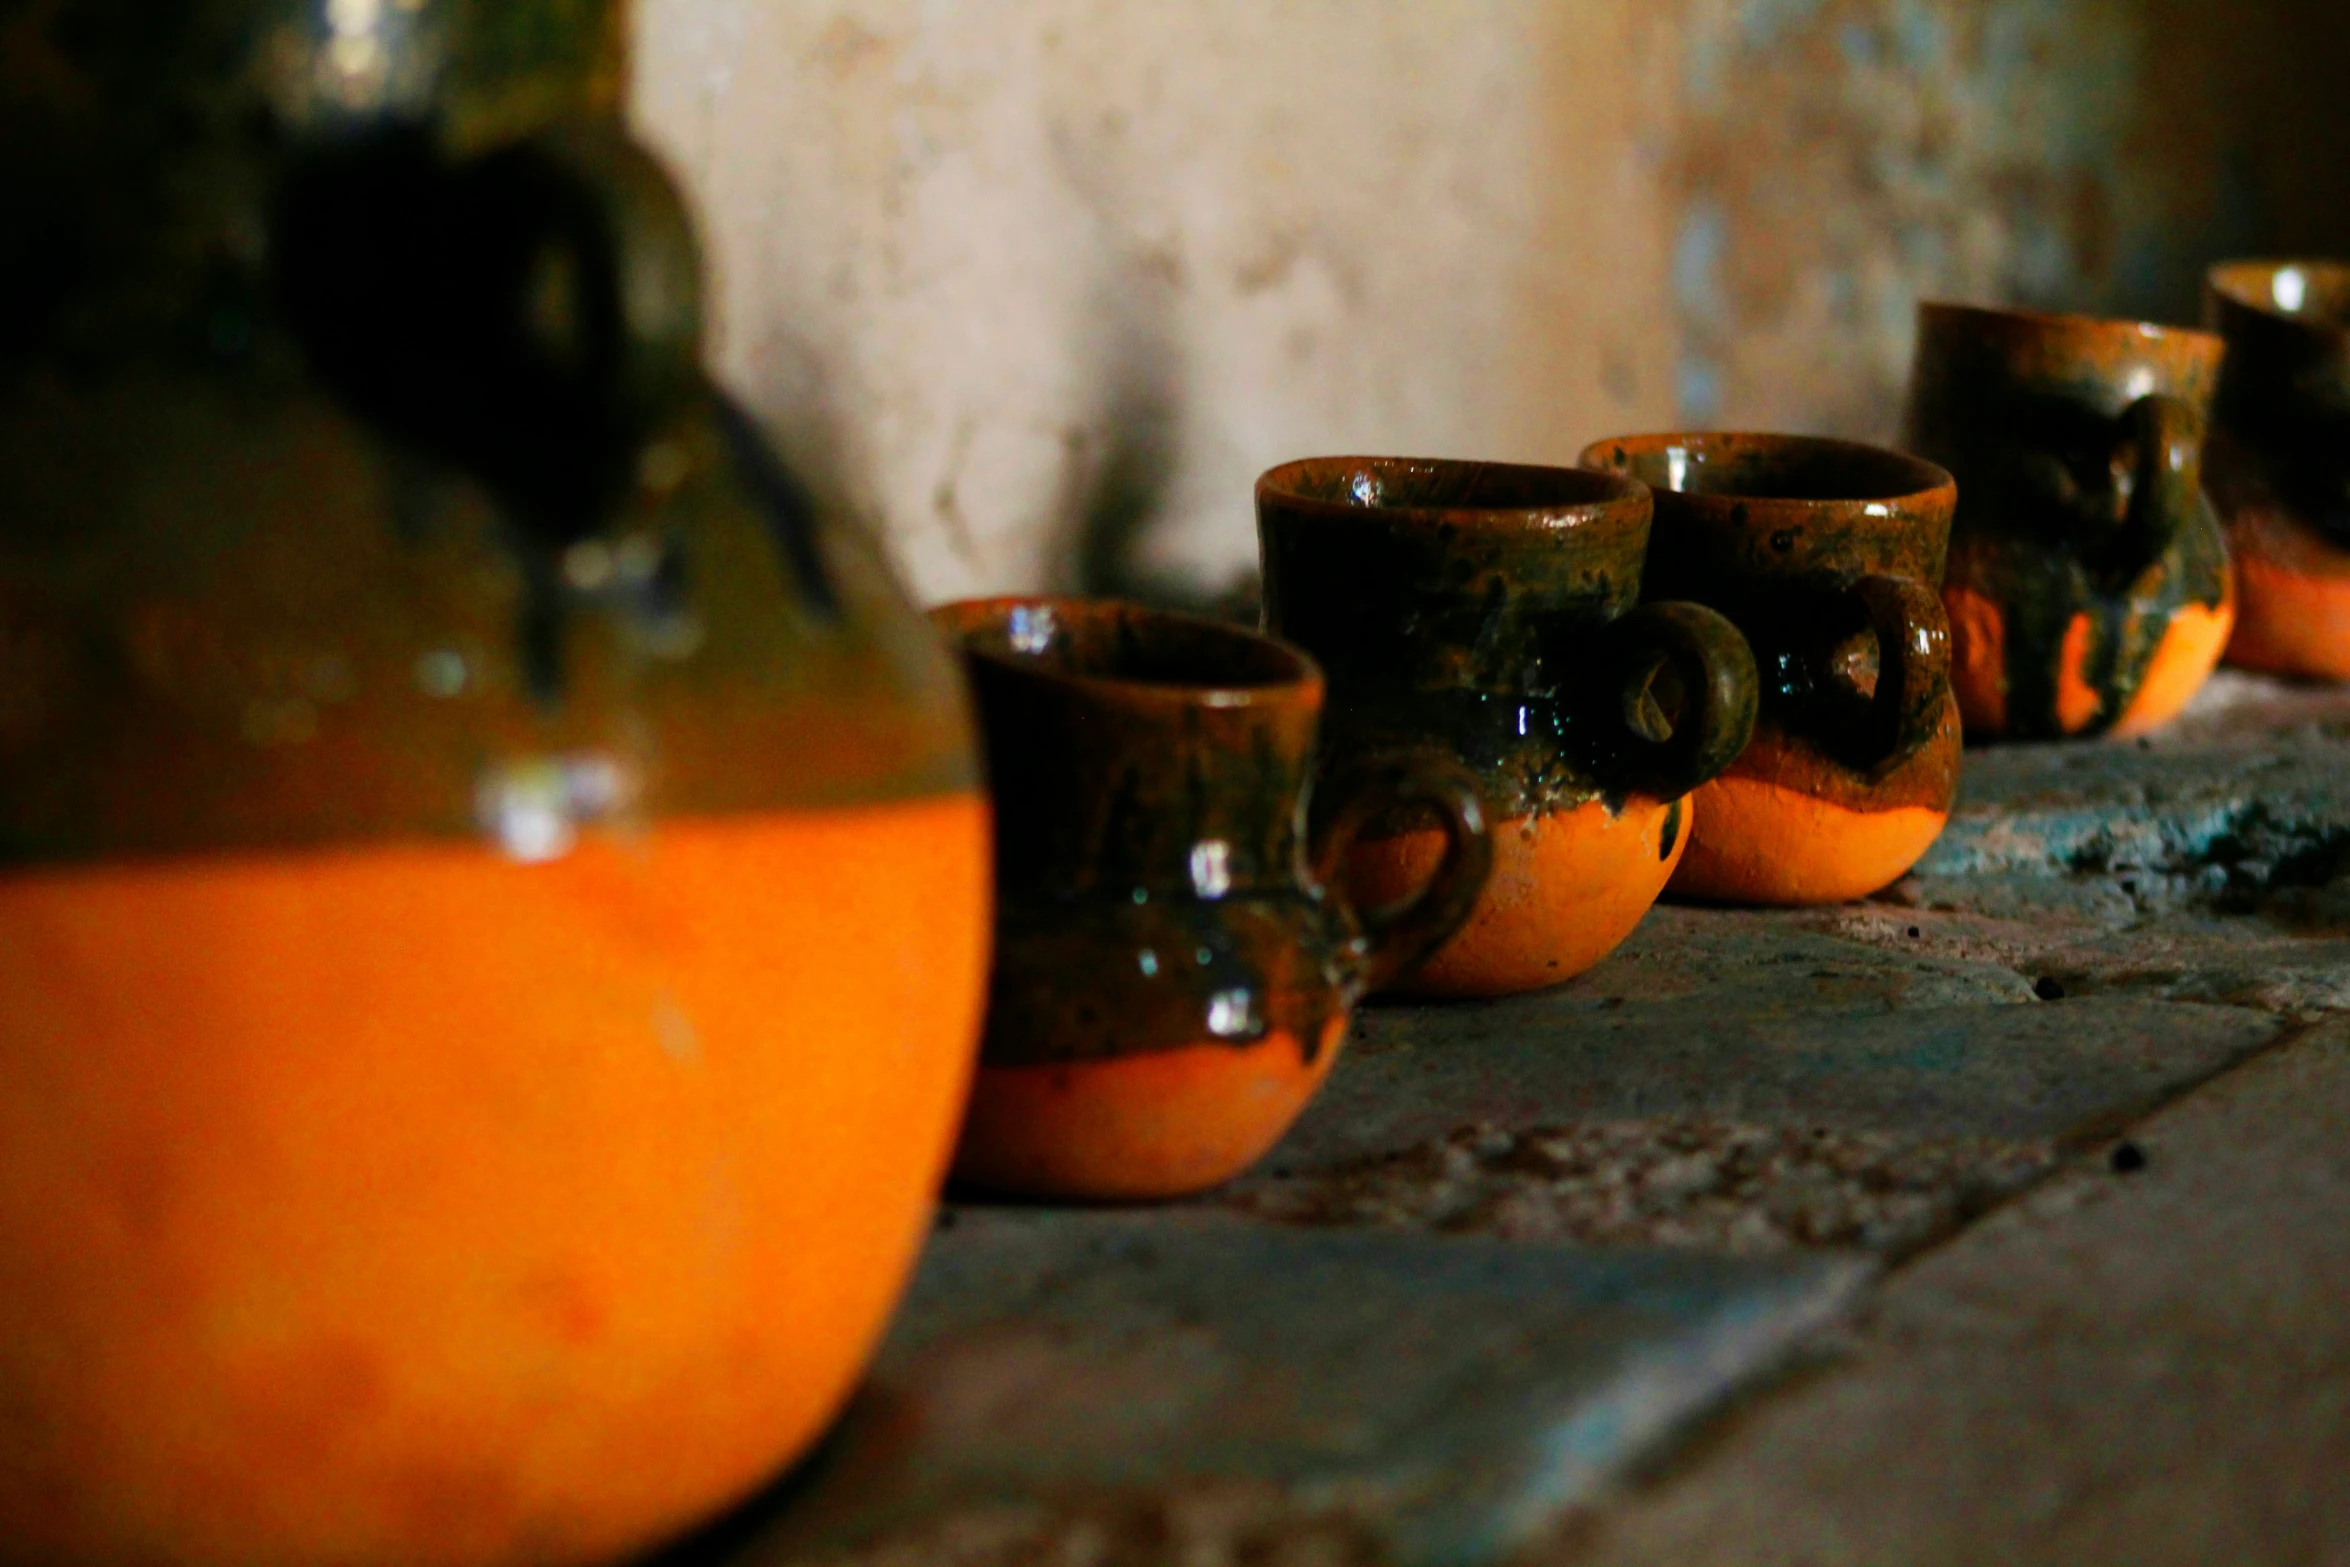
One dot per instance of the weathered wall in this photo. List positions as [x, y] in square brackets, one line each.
[1839, 159]
[1041, 285]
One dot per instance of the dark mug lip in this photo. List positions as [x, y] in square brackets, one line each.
[1911, 483]
[1580, 495]
[1292, 675]
[2012, 319]
[2249, 284]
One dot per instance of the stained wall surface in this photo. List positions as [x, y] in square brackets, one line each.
[1041, 285]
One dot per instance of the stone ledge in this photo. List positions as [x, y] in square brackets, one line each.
[1515, 1248]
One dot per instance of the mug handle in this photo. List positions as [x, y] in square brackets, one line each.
[2162, 446]
[1400, 934]
[1913, 664]
[1714, 669]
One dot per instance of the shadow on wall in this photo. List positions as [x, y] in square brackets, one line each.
[1840, 159]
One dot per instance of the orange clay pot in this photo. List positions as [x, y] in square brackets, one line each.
[2088, 587]
[1824, 554]
[1567, 888]
[494, 887]
[1171, 980]
[2279, 462]
[407, 1204]
[1490, 613]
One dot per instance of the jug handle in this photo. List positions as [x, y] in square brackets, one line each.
[1400, 934]
[2161, 447]
[530, 313]
[628, 229]
[1713, 667]
[1913, 665]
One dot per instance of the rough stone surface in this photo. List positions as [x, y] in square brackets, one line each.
[2195, 820]
[2147, 1360]
[1443, 1397]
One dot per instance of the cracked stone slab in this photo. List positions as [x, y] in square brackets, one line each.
[1394, 1396]
[2144, 1360]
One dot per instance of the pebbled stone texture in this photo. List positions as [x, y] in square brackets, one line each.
[1717, 1186]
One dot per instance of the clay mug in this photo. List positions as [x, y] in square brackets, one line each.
[2279, 461]
[2088, 589]
[1491, 611]
[1826, 555]
[1172, 969]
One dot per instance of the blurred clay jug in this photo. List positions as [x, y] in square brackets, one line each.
[493, 886]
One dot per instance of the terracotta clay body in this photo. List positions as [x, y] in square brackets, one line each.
[1825, 554]
[2088, 590]
[1172, 974]
[2279, 467]
[1489, 613]
[493, 889]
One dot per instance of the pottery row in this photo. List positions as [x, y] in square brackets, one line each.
[497, 887]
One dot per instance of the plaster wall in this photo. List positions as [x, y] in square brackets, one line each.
[1041, 285]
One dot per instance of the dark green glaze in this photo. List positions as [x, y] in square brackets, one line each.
[1825, 554]
[359, 478]
[1156, 885]
[1491, 611]
[2281, 420]
[2078, 448]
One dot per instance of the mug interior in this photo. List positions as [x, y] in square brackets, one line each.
[1441, 484]
[1790, 468]
[1124, 644]
[2311, 293]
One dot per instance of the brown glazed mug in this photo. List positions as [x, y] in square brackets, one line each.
[1490, 611]
[1826, 555]
[1172, 969]
[2088, 588]
[2279, 462]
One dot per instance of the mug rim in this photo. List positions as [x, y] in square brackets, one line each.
[2228, 281]
[961, 620]
[1616, 491]
[1935, 482]
[1958, 311]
